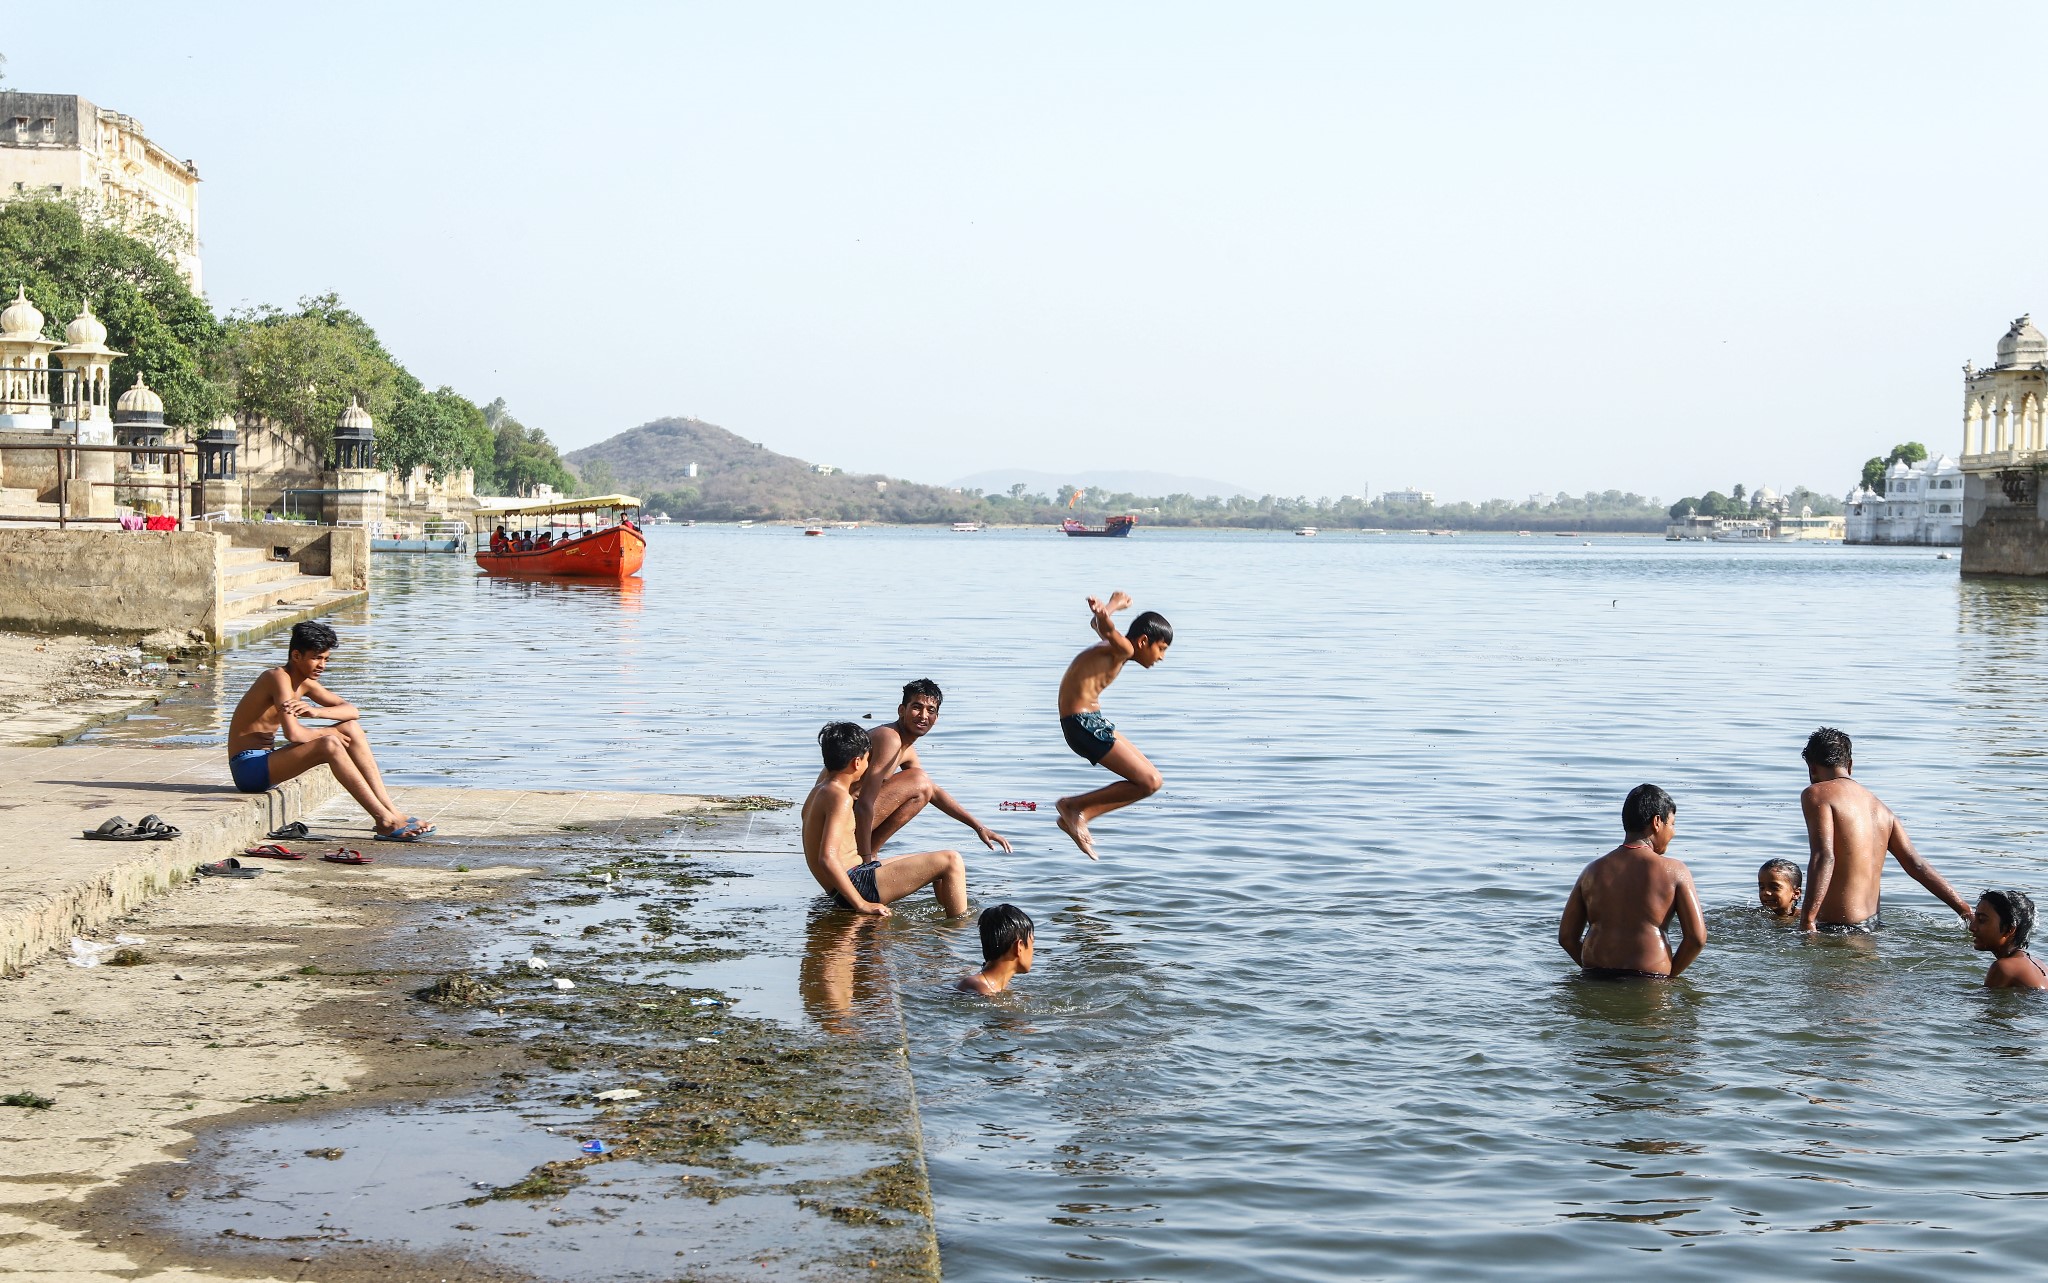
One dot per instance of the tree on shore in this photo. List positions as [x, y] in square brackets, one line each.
[168, 334]
[1874, 468]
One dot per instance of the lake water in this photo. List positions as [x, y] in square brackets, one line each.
[1307, 1019]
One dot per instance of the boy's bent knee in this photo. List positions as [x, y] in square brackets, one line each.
[1151, 782]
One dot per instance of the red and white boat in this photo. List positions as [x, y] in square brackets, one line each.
[594, 538]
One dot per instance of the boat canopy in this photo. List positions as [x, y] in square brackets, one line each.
[594, 503]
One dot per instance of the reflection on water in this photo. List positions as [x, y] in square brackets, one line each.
[1308, 1019]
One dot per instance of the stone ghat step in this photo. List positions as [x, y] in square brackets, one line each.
[57, 884]
[243, 576]
[238, 600]
[254, 625]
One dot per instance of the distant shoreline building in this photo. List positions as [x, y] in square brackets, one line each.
[64, 146]
[2005, 451]
[1407, 496]
[1921, 504]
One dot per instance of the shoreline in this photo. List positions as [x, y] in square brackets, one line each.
[55, 687]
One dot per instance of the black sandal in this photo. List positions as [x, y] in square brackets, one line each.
[296, 831]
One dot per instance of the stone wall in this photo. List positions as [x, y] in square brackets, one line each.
[2002, 535]
[126, 582]
[340, 551]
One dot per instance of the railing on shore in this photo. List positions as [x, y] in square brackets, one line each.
[67, 472]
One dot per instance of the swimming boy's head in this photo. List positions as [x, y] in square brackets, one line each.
[1149, 635]
[1827, 754]
[920, 706]
[2002, 922]
[1777, 886]
[310, 643]
[844, 745]
[1005, 928]
[1649, 815]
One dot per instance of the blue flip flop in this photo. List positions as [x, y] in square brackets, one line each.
[406, 832]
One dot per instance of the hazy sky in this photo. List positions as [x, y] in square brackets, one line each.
[1483, 249]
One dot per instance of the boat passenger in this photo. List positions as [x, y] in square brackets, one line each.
[545, 542]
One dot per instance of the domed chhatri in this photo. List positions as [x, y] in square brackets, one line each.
[355, 419]
[21, 319]
[139, 401]
[85, 329]
[2022, 345]
[355, 444]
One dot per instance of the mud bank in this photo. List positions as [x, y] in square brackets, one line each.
[393, 1071]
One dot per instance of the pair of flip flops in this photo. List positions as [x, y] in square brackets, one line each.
[272, 851]
[412, 830]
[151, 828]
[228, 868]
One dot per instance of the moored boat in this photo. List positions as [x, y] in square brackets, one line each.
[594, 538]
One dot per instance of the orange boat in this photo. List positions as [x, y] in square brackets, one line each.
[594, 538]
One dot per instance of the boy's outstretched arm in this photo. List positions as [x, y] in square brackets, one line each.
[1571, 928]
[1924, 873]
[1104, 622]
[1820, 857]
[1692, 924]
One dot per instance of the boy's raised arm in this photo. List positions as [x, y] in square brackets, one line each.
[1104, 622]
[1924, 873]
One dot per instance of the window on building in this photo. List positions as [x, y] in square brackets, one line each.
[21, 129]
[49, 129]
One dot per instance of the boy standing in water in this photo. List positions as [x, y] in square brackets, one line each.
[2000, 927]
[866, 886]
[1777, 888]
[1089, 733]
[1613, 924]
[1848, 832]
[1006, 940]
[275, 704]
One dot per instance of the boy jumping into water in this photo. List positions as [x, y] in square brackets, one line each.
[1848, 832]
[896, 787]
[1613, 924]
[276, 703]
[1089, 733]
[867, 886]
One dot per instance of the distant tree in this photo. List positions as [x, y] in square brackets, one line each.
[1911, 453]
[300, 369]
[168, 334]
[522, 457]
[1738, 493]
[1683, 508]
[596, 478]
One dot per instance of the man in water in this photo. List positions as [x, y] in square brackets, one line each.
[1848, 832]
[1089, 733]
[277, 701]
[867, 886]
[1613, 924]
[896, 787]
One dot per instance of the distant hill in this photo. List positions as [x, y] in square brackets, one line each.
[1000, 480]
[737, 479]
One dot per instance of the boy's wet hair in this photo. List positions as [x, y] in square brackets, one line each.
[1151, 624]
[843, 744]
[1826, 747]
[1646, 804]
[1785, 867]
[313, 636]
[2015, 910]
[1002, 926]
[923, 686]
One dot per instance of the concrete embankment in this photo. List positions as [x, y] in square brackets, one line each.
[346, 1073]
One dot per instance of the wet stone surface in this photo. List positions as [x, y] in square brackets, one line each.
[646, 968]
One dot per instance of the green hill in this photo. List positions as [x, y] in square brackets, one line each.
[740, 479]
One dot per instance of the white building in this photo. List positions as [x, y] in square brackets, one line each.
[1921, 504]
[1408, 496]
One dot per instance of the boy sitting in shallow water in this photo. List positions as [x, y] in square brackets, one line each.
[866, 886]
[1777, 888]
[2000, 927]
[1006, 939]
[1613, 924]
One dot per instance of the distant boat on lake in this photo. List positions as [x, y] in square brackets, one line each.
[1114, 528]
[1310, 531]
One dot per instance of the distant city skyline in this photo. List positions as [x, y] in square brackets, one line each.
[1485, 250]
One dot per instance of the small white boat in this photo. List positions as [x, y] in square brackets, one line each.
[745, 524]
[1310, 531]
[966, 527]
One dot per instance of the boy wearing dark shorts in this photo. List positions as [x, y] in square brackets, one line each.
[1089, 733]
[866, 886]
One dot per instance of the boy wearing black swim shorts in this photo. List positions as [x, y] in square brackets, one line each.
[1090, 734]
[866, 886]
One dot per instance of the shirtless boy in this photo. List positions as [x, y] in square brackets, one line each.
[1089, 733]
[1848, 832]
[1006, 949]
[276, 704]
[896, 787]
[1613, 924]
[867, 886]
